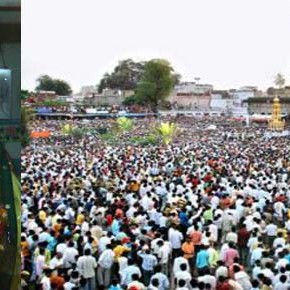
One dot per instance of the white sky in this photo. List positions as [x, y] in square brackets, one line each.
[228, 43]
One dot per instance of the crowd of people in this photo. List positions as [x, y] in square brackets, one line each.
[208, 211]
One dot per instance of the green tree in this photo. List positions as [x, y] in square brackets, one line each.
[24, 94]
[132, 100]
[60, 87]
[156, 83]
[27, 116]
[125, 76]
[280, 80]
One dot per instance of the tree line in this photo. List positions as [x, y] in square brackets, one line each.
[150, 82]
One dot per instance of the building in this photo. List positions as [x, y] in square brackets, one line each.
[263, 105]
[41, 96]
[193, 88]
[221, 100]
[108, 97]
[87, 91]
[191, 95]
[240, 106]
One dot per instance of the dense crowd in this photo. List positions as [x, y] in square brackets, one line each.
[209, 211]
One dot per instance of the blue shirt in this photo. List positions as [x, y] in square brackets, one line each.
[202, 259]
[115, 227]
[149, 261]
[163, 281]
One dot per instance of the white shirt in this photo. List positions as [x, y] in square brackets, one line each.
[164, 253]
[208, 279]
[39, 264]
[183, 275]
[106, 259]
[271, 230]
[175, 238]
[60, 248]
[69, 256]
[45, 282]
[68, 286]
[177, 262]
[86, 266]
[55, 263]
[221, 271]
[103, 242]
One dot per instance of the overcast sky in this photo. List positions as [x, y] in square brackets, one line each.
[228, 43]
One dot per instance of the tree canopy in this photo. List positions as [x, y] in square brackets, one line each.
[156, 83]
[60, 87]
[280, 80]
[125, 76]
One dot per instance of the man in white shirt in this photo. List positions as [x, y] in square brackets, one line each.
[175, 237]
[208, 279]
[271, 232]
[183, 274]
[70, 255]
[163, 254]
[86, 266]
[128, 272]
[105, 262]
[56, 262]
[45, 281]
[179, 261]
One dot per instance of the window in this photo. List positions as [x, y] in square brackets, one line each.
[5, 93]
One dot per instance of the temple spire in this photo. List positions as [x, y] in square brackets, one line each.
[276, 123]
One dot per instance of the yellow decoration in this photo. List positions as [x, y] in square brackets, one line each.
[67, 129]
[125, 124]
[276, 123]
[167, 131]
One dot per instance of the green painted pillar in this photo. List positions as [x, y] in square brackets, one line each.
[10, 226]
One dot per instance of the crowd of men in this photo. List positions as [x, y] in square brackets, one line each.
[209, 211]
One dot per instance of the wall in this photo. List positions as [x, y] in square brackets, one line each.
[198, 102]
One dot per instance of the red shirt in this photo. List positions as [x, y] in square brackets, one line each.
[196, 237]
[243, 237]
[223, 286]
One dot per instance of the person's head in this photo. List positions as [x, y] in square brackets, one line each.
[157, 268]
[47, 272]
[255, 283]
[155, 282]
[58, 255]
[236, 268]
[206, 271]
[181, 283]
[115, 281]
[268, 265]
[135, 277]
[283, 279]
[258, 263]
[193, 283]
[87, 252]
[280, 235]
[183, 267]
